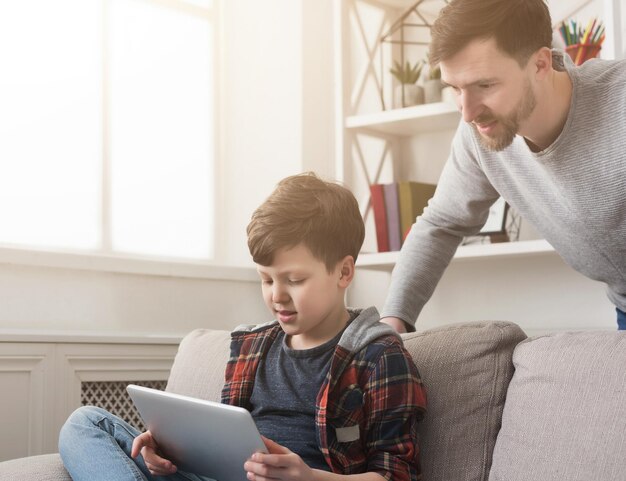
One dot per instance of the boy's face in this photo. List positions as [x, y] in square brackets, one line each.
[304, 297]
[494, 94]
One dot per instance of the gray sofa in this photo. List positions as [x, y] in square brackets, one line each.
[501, 407]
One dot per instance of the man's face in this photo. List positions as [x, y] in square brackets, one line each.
[494, 93]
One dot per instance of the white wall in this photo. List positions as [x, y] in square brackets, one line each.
[53, 298]
[261, 106]
[277, 104]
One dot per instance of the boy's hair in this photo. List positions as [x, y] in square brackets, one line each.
[519, 27]
[324, 216]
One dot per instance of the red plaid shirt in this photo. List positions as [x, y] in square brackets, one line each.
[367, 409]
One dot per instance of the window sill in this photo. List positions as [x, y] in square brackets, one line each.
[127, 264]
[87, 337]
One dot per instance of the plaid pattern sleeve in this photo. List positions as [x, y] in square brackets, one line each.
[395, 402]
[368, 418]
[246, 351]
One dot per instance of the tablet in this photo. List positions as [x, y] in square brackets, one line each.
[198, 436]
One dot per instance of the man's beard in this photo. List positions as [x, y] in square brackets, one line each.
[508, 124]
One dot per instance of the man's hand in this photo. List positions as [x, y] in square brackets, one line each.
[395, 322]
[279, 464]
[147, 446]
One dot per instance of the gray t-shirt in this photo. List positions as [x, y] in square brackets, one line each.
[573, 192]
[284, 396]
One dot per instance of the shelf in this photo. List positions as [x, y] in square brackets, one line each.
[408, 121]
[532, 248]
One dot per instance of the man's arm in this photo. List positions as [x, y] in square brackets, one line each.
[459, 208]
[398, 324]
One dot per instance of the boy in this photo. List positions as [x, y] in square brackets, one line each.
[332, 390]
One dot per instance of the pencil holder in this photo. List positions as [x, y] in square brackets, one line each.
[581, 52]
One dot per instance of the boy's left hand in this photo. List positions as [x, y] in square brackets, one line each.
[280, 463]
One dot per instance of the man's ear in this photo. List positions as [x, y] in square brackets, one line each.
[541, 62]
[346, 271]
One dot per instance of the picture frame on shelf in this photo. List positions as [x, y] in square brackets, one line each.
[495, 227]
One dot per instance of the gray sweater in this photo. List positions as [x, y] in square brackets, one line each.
[574, 193]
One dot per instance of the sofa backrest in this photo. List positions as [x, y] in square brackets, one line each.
[565, 414]
[466, 369]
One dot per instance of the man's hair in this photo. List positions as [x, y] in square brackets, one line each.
[324, 216]
[519, 27]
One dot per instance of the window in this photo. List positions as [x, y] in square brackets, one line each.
[107, 122]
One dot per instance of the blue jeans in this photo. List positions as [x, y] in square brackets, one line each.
[621, 320]
[95, 446]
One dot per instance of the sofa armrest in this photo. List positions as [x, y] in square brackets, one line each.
[46, 467]
[198, 369]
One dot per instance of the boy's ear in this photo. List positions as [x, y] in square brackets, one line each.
[346, 271]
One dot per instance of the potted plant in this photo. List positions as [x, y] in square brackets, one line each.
[408, 93]
[433, 85]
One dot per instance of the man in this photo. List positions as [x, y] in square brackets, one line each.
[546, 136]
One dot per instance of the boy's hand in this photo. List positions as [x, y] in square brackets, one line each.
[147, 446]
[279, 464]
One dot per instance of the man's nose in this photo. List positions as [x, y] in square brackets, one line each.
[470, 109]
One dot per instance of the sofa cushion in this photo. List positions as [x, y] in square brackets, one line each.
[46, 467]
[199, 365]
[466, 369]
[565, 415]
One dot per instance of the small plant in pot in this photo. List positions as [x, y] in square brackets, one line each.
[408, 93]
[433, 85]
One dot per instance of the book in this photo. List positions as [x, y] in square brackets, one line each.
[380, 217]
[413, 198]
[393, 216]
